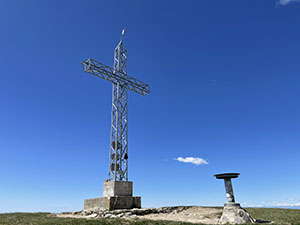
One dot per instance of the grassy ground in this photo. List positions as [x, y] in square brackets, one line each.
[45, 219]
[278, 216]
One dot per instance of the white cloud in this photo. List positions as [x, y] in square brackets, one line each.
[194, 160]
[286, 204]
[285, 2]
[290, 202]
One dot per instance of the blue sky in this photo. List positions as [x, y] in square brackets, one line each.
[224, 77]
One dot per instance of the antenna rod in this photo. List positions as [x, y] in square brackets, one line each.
[122, 34]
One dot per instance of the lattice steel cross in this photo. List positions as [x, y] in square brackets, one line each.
[118, 155]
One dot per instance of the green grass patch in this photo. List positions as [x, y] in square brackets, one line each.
[46, 219]
[278, 216]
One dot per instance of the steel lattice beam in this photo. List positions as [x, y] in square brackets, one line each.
[117, 77]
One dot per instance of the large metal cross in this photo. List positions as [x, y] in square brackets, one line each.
[118, 155]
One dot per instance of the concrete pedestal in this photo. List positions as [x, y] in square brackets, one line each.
[117, 188]
[112, 203]
[116, 195]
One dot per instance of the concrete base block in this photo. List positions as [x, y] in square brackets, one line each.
[117, 188]
[112, 203]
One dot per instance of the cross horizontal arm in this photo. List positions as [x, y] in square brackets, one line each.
[117, 77]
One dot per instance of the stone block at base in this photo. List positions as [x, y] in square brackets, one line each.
[233, 213]
[112, 203]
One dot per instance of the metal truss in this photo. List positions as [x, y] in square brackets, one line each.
[118, 156]
[116, 77]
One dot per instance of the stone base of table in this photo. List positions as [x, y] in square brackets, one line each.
[233, 213]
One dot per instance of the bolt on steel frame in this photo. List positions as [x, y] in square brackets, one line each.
[118, 155]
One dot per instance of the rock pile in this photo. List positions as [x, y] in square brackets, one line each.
[128, 213]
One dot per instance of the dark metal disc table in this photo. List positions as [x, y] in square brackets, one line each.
[228, 187]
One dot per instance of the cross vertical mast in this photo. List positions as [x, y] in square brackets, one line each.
[118, 166]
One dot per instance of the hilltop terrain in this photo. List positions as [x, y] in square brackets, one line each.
[183, 215]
